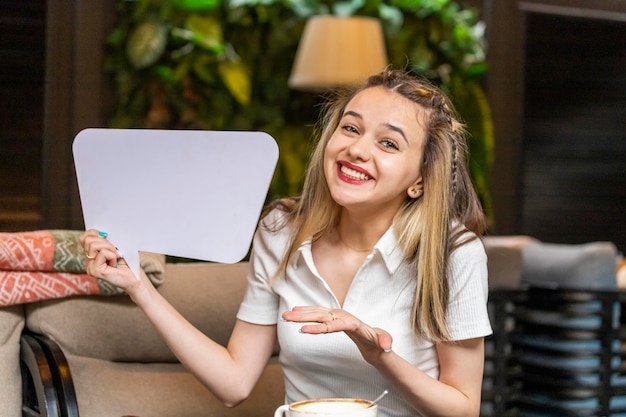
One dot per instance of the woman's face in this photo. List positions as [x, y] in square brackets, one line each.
[375, 154]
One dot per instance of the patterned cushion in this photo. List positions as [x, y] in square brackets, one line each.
[46, 264]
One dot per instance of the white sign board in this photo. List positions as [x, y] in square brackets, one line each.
[187, 193]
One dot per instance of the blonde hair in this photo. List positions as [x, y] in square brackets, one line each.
[425, 227]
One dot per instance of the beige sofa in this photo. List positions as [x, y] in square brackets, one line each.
[11, 325]
[119, 366]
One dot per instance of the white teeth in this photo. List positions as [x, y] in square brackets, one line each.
[354, 174]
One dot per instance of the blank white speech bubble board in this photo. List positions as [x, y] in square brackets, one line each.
[187, 193]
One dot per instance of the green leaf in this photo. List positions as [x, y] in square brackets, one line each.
[242, 3]
[295, 147]
[117, 37]
[142, 9]
[347, 8]
[476, 70]
[206, 30]
[165, 73]
[146, 44]
[461, 33]
[472, 104]
[196, 4]
[181, 70]
[392, 16]
[434, 4]
[236, 78]
[202, 68]
[305, 9]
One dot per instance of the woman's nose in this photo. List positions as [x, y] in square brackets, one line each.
[360, 148]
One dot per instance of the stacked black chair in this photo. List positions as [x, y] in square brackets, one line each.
[499, 385]
[567, 347]
[557, 345]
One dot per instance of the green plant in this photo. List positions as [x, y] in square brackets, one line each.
[224, 65]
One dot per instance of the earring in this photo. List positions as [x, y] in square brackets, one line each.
[414, 192]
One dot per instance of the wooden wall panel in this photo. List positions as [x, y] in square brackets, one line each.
[516, 177]
[22, 68]
[574, 147]
[77, 97]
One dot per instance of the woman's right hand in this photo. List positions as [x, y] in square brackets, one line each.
[105, 262]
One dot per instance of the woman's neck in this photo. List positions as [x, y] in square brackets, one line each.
[358, 234]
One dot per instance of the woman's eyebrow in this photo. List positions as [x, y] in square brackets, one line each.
[388, 125]
[353, 113]
[397, 129]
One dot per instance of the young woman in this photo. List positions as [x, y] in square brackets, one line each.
[374, 278]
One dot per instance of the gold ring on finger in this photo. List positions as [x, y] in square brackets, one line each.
[332, 315]
[327, 327]
[89, 256]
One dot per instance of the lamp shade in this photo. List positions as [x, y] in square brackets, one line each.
[338, 51]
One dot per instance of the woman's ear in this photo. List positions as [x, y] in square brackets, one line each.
[416, 190]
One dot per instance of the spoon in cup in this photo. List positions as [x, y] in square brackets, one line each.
[380, 397]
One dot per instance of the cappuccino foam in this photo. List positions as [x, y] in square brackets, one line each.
[330, 406]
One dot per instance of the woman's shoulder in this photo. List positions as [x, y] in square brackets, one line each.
[275, 219]
[274, 231]
[466, 242]
[468, 263]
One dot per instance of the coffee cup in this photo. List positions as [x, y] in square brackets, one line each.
[328, 407]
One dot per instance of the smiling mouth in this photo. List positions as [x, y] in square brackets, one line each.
[355, 175]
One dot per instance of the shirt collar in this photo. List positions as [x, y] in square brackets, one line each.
[303, 249]
[387, 248]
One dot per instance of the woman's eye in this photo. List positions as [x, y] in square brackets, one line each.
[350, 128]
[389, 144]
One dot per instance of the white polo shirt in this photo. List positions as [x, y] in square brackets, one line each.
[381, 295]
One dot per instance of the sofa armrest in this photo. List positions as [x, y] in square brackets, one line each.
[48, 389]
[114, 328]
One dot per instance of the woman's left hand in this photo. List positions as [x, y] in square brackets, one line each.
[371, 341]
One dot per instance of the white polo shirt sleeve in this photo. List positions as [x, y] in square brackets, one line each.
[467, 311]
[260, 304]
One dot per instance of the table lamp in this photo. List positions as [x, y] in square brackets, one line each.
[338, 51]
